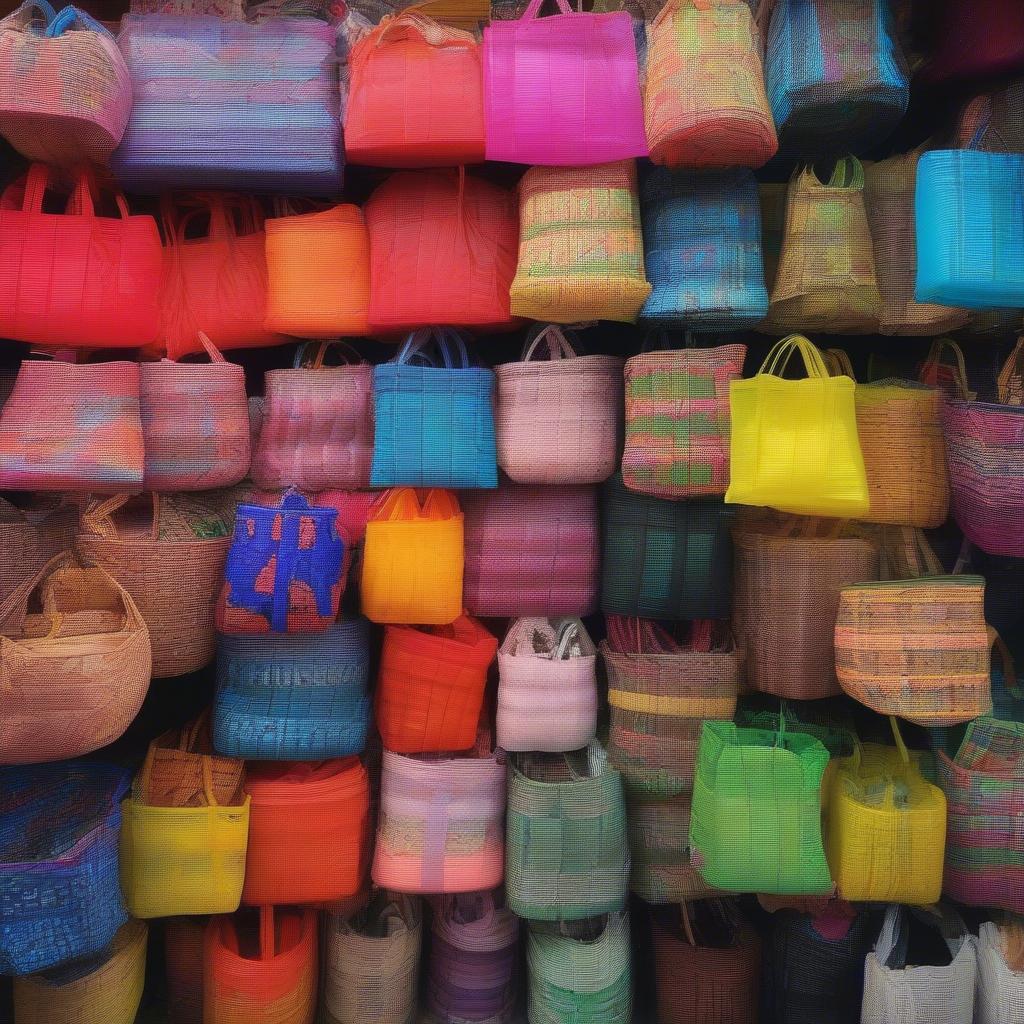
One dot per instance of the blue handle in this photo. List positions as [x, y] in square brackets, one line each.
[68, 17]
[441, 336]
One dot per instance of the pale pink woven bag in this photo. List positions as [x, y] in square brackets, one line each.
[559, 421]
[547, 686]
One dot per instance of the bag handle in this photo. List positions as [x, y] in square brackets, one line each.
[559, 346]
[14, 609]
[929, 373]
[917, 554]
[397, 505]
[72, 16]
[432, 32]
[349, 353]
[33, 185]
[442, 338]
[98, 518]
[778, 358]
[186, 742]
[533, 10]
[998, 645]
[1013, 369]
[26, 13]
[838, 362]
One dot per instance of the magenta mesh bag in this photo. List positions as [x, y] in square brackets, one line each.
[562, 91]
[531, 550]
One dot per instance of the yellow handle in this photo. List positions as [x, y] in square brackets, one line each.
[777, 359]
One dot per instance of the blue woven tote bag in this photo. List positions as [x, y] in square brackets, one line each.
[60, 893]
[434, 424]
[293, 697]
[702, 250]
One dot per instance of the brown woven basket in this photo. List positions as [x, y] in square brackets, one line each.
[171, 570]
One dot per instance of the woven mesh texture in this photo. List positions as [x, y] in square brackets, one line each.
[836, 78]
[826, 277]
[658, 702]
[916, 648]
[665, 559]
[580, 246]
[441, 824]
[65, 97]
[937, 991]
[305, 295]
[558, 421]
[59, 892]
[206, 115]
[531, 550]
[371, 963]
[442, 251]
[295, 697]
[970, 237]
[104, 990]
[580, 972]
[472, 973]
[756, 817]
[80, 664]
[431, 685]
[704, 98]
[30, 535]
[547, 686]
[702, 250]
[984, 787]
[785, 599]
[677, 421]
[889, 188]
[81, 424]
[566, 852]
[1000, 997]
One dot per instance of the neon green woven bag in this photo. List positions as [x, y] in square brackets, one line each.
[755, 825]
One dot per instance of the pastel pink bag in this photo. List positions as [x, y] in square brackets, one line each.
[547, 686]
[562, 91]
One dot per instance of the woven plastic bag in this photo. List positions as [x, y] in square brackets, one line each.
[1000, 995]
[309, 831]
[704, 97]
[579, 971]
[547, 686]
[709, 969]
[59, 893]
[431, 686]
[106, 989]
[889, 190]
[563, 90]
[214, 283]
[756, 818]
[794, 444]
[73, 279]
[836, 77]
[785, 599]
[416, 95]
[185, 828]
[558, 421]
[442, 251]
[984, 787]
[433, 424]
[580, 246]
[660, 692]
[306, 295]
[441, 824]
[413, 559]
[225, 104]
[702, 250]
[195, 423]
[664, 559]
[296, 697]
[826, 279]
[371, 962]
[263, 969]
[961, 260]
[74, 663]
[898, 990]
[67, 427]
[65, 94]
[473, 969]
[30, 535]
[285, 569]
[886, 830]
[677, 420]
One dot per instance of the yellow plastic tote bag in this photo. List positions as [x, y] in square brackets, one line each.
[794, 443]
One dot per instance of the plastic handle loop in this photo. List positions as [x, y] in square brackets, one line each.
[71, 16]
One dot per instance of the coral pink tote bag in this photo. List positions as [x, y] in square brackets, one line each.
[562, 91]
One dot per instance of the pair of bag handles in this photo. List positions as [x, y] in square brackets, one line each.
[28, 192]
[401, 505]
[57, 24]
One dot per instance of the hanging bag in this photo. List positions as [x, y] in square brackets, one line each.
[415, 95]
[73, 279]
[564, 90]
[794, 443]
[413, 559]
[317, 428]
[433, 424]
[74, 664]
[558, 420]
[1000, 972]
